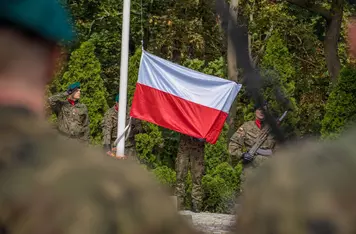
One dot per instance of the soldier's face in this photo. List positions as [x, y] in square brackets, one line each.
[76, 95]
[259, 114]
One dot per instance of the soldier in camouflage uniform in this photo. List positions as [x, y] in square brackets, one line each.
[244, 138]
[109, 126]
[191, 151]
[50, 184]
[73, 117]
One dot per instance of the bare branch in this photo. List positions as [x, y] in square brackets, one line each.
[306, 61]
[312, 7]
[262, 49]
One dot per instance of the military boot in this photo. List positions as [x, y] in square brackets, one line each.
[196, 207]
[180, 203]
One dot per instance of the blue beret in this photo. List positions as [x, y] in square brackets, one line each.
[117, 98]
[46, 18]
[74, 86]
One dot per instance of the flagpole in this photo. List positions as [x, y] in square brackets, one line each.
[123, 77]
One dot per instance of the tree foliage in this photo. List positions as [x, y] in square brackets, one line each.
[341, 107]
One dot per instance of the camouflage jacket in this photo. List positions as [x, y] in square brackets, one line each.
[244, 138]
[50, 184]
[73, 120]
[110, 125]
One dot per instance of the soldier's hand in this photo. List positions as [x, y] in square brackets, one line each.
[120, 157]
[247, 158]
[112, 153]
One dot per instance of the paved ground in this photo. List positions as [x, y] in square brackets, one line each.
[211, 223]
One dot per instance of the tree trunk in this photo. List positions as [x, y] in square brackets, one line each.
[333, 19]
[232, 71]
[331, 40]
[206, 10]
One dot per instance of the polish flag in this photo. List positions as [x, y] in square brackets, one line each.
[181, 99]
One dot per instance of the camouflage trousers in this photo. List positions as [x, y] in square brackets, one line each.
[243, 179]
[190, 154]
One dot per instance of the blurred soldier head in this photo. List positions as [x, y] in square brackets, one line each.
[305, 190]
[30, 31]
[259, 112]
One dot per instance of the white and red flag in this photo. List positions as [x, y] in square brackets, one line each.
[181, 99]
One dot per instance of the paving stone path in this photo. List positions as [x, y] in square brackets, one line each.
[211, 223]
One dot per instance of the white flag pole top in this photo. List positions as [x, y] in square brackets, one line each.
[123, 77]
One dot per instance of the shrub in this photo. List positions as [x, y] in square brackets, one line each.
[221, 187]
[166, 176]
[341, 106]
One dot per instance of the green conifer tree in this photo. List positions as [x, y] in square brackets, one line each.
[340, 107]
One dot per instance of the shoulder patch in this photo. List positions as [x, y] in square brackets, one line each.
[240, 131]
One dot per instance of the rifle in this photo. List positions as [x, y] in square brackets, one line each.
[261, 138]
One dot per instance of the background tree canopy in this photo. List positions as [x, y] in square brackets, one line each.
[298, 44]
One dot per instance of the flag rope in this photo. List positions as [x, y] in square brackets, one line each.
[127, 129]
[142, 33]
